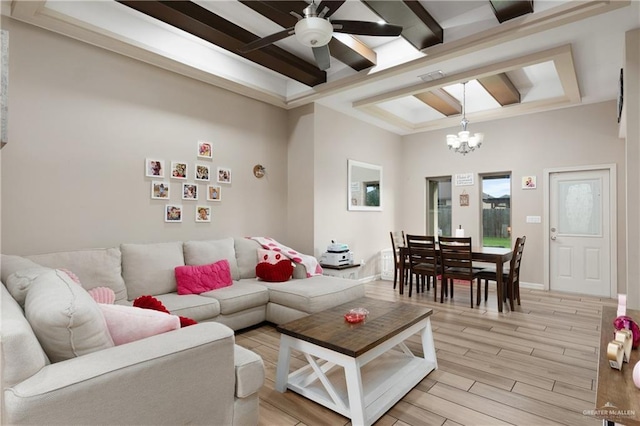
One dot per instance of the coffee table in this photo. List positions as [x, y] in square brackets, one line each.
[377, 367]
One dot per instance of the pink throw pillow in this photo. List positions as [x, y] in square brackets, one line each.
[127, 323]
[103, 295]
[193, 279]
[270, 256]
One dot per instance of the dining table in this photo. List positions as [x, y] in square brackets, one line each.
[496, 255]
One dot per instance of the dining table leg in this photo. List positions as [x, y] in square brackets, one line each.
[401, 271]
[499, 283]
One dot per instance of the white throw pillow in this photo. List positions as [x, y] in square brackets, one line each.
[64, 317]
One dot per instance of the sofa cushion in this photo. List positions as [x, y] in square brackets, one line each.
[94, 268]
[128, 323]
[66, 320]
[205, 252]
[247, 256]
[22, 356]
[314, 294]
[10, 264]
[193, 306]
[196, 279]
[249, 371]
[148, 269]
[242, 295]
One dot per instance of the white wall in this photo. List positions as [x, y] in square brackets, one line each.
[300, 164]
[632, 131]
[338, 138]
[81, 122]
[584, 135]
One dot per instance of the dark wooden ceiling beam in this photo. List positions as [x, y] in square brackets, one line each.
[509, 9]
[347, 49]
[204, 24]
[418, 26]
[441, 101]
[501, 88]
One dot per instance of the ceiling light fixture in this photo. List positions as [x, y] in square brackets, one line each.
[464, 142]
[314, 32]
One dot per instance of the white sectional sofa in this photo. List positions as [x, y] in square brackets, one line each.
[194, 375]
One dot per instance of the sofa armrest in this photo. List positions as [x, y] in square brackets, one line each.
[179, 377]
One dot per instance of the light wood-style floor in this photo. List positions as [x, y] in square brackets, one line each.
[534, 366]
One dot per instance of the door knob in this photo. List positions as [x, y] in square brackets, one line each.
[554, 234]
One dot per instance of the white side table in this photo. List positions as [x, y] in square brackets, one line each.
[350, 272]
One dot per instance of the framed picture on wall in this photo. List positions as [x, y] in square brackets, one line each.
[528, 182]
[203, 214]
[224, 175]
[214, 193]
[203, 172]
[173, 213]
[179, 170]
[154, 167]
[159, 190]
[189, 191]
[205, 150]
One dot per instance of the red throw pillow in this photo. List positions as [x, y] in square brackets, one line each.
[150, 302]
[199, 279]
[275, 273]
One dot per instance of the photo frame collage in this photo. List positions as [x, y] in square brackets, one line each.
[200, 172]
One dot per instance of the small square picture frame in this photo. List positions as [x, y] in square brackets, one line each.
[173, 213]
[223, 175]
[160, 190]
[153, 167]
[205, 150]
[203, 172]
[214, 193]
[203, 213]
[189, 191]
[179, 170]
[529, 182]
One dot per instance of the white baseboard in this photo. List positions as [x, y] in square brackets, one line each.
[533, 286]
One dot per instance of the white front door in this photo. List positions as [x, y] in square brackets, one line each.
[579, 232]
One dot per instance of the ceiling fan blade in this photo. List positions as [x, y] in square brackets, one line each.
[322, 56]
[265, 41]
[333, 5]
[366, 28]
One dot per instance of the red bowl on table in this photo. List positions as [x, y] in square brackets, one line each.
[352, 317]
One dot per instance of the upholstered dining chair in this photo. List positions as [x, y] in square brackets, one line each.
[423, 262]
[510, 274]
[397, 241]
[457, 264]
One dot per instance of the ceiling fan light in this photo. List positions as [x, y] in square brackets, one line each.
[313, 31]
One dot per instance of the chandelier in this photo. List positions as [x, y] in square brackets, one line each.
[464, 142]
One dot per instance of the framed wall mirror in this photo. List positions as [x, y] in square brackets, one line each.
[364, 186]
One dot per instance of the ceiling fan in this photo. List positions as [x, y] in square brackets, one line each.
[314, 29]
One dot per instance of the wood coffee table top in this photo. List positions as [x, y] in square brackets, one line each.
[330, 330]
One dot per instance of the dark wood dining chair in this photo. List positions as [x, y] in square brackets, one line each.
[456, 260]
[511, 286]
[423, 262]
[397, 241]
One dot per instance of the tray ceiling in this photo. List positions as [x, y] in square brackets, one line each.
[518, 56]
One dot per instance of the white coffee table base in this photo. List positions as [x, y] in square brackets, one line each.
[365, 387]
